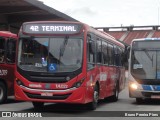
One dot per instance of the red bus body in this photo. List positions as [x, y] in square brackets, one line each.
[7, 66]
[104, 76]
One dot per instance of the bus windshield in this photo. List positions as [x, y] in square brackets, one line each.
[145, 64]
[61, 54]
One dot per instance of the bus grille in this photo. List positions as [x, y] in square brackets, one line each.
[148, 94]
[54, 97]
[47, 79]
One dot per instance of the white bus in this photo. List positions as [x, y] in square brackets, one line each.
[144, 69]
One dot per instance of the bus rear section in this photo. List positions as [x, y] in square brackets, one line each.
[144, 69]
[53, 66]
[7, 64]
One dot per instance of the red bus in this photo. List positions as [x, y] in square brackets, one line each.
[7, 64]
[67, 62]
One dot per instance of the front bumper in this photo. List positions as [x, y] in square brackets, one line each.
[146, 91]
[72, 95]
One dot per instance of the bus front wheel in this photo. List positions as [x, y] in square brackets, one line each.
[38, 105]
[139, 100]
[93, 104]
[3, 93]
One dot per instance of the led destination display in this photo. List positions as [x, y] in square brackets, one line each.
[50, 28]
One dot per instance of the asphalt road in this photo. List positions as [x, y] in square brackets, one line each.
[69, 111]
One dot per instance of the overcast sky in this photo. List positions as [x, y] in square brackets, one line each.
[107, 13]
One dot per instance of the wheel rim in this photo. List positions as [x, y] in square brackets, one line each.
[116, 93]
[1, 93]
[95, 96]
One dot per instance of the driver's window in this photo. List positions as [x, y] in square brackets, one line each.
[11, 50]
[90, 51]
[2, 49]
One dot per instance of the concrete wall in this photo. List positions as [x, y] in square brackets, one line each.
[3, 22]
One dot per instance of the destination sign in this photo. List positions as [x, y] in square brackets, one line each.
[49, 28]
[146, 45]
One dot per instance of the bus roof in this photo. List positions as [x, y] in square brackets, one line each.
[86, 27]
[7, 34]
[147, 39]
[105, 35]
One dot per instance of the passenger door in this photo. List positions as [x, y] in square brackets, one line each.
[91, 67]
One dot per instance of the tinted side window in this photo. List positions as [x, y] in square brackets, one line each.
[120, 54]
[110, 54]
[99, 51]
[91, 51]
[105, 52]
[11, 50]
[2, 49]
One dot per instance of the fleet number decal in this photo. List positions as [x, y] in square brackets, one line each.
[3, 72]
[62, 86]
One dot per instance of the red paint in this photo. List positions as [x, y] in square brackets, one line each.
[9, 77]
[84, 94]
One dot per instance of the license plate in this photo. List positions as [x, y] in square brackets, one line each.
[155, 96]
[46, 94]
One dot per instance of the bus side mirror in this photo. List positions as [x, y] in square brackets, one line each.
[126, 56]
[128, 51]
[128, 48]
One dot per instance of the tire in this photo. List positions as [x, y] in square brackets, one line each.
[38, 105]
[139, 100]
[3, 93]
[94, 103]
[114, 98]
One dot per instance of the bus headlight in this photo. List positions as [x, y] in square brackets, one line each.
[79, 83]
[19, 82]
[134, 86]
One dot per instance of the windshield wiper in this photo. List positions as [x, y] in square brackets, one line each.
[63, 47]
[151, 58]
